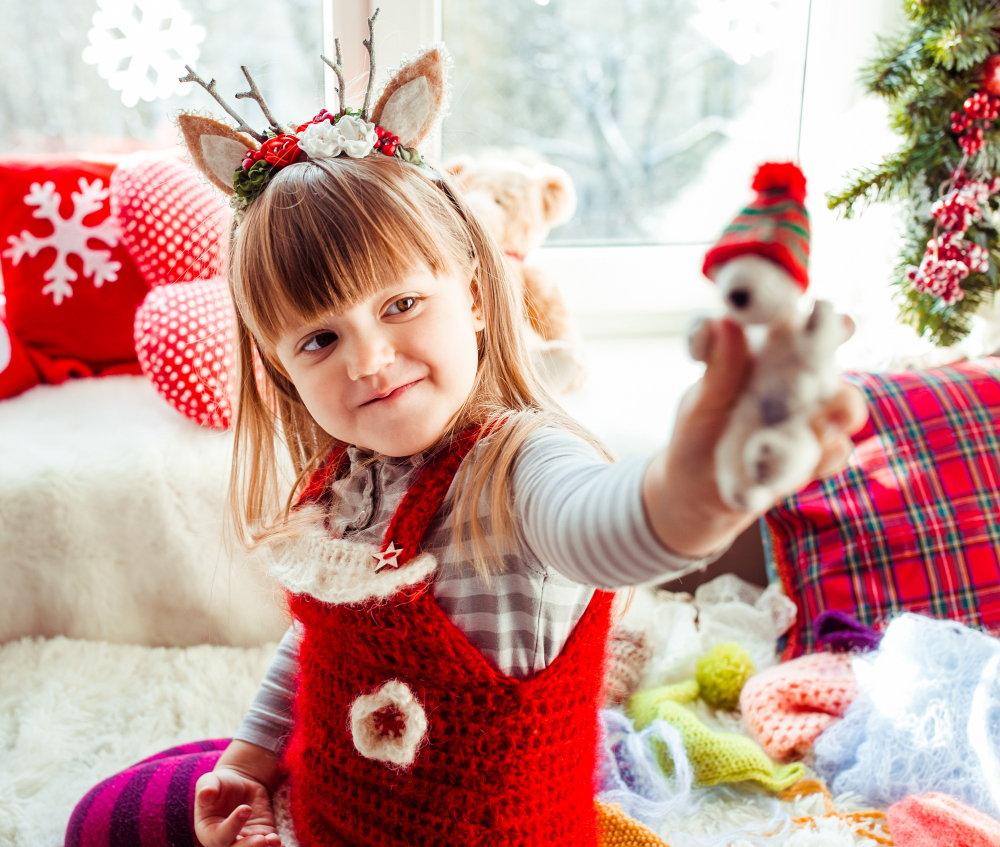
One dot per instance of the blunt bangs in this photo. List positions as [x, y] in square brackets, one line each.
[327, 234]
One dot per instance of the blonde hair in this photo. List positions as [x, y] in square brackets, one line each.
[326, 234]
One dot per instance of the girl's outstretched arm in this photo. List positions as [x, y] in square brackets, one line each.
[679, 490]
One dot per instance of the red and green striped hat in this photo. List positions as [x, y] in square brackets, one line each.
[775, 225]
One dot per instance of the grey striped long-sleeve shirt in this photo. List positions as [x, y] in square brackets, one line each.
[579, 522]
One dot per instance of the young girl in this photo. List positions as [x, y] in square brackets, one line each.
[452, 538]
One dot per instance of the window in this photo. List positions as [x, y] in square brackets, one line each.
[61, 103]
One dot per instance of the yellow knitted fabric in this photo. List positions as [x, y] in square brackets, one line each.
[715, 757]
[619, 830]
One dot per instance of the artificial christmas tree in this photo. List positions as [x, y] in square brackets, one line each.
[941, 78]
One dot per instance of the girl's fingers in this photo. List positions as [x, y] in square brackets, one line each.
[846, 410]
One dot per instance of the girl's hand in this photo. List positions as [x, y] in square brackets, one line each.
[231, 807]
[680, 491]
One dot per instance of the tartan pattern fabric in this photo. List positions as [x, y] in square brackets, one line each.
[912, 522]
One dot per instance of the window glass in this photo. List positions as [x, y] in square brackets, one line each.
[61, 102]
[632, 98]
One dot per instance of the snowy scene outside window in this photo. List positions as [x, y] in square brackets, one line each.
[631, 98]
[101, 75]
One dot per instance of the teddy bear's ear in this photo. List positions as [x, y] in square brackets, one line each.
[415, 97]
[216, 150]
[459, 166]
[558, 194]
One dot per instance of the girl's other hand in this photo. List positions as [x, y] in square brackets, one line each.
[680, 490]
[231, 807]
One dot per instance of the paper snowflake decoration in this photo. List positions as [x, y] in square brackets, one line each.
[69, 236]
[141, 47]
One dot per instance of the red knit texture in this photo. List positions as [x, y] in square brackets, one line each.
[936, 820]
[785, 708]
[781, 176]
[504, 762]
[775, 225]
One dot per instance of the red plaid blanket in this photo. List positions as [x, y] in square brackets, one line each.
[912, 522]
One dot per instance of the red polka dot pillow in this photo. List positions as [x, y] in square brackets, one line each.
[184, 341]
[172, 223]
[911, 524]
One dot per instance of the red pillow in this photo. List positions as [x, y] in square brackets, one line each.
[173, 223]
[70, 286]
[913, 522]
[184, 337]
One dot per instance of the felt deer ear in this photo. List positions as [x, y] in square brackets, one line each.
[216, 150]
[415, 97]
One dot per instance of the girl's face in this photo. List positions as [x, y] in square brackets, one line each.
[389, 373]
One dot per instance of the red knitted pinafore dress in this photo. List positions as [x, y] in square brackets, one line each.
[405, 735]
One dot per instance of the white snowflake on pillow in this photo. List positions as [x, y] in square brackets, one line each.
[69, 236]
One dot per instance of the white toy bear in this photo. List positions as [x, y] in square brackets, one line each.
[760, 265]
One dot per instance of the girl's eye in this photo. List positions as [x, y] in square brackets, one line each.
[318, 342]
[403, 304]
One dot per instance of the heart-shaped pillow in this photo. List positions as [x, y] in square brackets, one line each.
[172, 223]
[184, 341]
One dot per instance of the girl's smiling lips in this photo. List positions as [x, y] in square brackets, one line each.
[392, 393]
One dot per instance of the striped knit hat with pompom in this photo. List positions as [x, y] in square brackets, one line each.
[775, 225]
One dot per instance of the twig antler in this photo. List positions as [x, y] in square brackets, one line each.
[210, 88]
[370, 44]
[254, 94]
[338, 69]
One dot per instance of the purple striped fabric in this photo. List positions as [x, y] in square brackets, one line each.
[151, 804]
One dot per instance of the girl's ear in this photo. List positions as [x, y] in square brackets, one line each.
[415, 97]
[216, 150]
[477, 299]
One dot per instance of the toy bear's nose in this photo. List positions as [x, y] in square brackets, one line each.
[739, 298]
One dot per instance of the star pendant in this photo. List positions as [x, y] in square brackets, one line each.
[388, 558]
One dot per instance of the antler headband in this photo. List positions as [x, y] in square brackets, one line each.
[241, 161]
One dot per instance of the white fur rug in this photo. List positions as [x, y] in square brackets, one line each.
[74, 712]
[111, 522]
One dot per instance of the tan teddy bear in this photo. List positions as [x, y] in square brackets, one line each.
[519, 204]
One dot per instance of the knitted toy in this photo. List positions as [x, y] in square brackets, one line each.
[936, 820]
[628, 654]
[519, 205]
[721, 674]
[786, 707]
[843, 633]
[619, 830]
[716, 757]
[925, 718]
[760, 266]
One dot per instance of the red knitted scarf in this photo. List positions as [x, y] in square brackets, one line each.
[496, 761]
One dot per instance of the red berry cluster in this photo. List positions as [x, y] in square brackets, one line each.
[941, 278]
[251, 157]
[387, 142]
[956, 211]
[951, 246]
[978, 107]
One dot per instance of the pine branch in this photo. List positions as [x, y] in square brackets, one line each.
[897, 70]
[893, 178]
[966, 40]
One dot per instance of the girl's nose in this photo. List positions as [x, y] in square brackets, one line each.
[369, 354]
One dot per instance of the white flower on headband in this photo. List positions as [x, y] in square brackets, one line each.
[349, 135]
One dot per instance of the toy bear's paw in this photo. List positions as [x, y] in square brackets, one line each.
[559, 366]
[765, 456]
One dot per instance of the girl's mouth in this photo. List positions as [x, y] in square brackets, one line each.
[391, 395]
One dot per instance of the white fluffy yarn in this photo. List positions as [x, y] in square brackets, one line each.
[927, 718]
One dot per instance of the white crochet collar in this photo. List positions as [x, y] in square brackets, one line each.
[334, 570]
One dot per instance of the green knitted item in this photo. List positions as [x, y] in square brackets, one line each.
[721, 673]
[716, 757]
